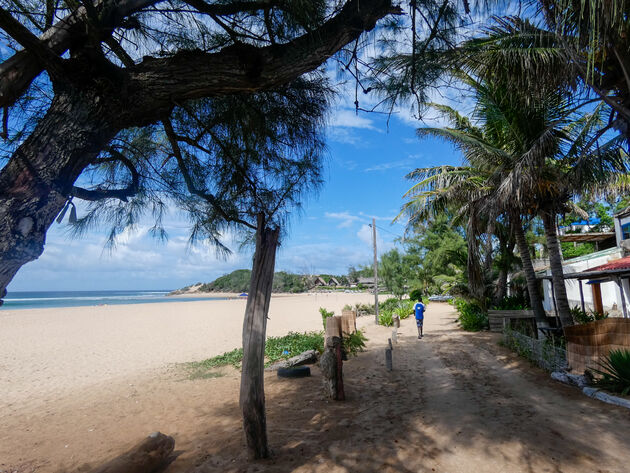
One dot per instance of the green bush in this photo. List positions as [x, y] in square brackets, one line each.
[389, 304]
[471, 316]
[517, 302]
[386, 318]
[583, 317]
[354, 343]
[325, 314]
[276, 348]
[615, 372]
[416, 295]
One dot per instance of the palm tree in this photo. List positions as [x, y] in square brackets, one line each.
[471, 188]
[530, 156]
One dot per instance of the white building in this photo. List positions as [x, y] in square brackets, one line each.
[598, 281]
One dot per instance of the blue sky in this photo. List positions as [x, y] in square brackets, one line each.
[365, 170]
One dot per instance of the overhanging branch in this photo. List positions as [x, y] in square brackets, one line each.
[100, 193]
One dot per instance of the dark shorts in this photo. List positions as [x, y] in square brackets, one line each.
[419, 322]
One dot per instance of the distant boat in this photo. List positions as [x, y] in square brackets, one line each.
[244, 294]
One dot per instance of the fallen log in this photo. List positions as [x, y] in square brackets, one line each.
[304, 358]
[148, 456]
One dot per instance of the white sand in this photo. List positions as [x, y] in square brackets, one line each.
[45, 353]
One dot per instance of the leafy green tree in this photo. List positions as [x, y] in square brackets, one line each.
[394, 272]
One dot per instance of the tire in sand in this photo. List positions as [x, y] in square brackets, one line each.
[297, 372]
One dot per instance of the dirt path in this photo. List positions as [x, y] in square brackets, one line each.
[455, 402]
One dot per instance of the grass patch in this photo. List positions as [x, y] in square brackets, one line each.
[276, 348]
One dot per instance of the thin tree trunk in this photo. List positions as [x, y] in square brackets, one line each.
[557, 273]
[252, 397]
[501, 291]
[473, 266]
[528, 268]
[37, 180]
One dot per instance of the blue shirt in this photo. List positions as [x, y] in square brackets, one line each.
[419, 309]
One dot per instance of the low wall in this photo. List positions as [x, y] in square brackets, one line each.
[542, 352]
[588, 343]
[498, 318]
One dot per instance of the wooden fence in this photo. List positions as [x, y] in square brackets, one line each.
[588, 343]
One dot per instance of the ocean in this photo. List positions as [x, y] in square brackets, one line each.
[47, 299]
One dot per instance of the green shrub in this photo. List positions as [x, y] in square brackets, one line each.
[325, 314]
[386, 318]
[354, 343]
[416, 295]
[583, 317]
[615, 372]
[516, 302]
[278, 348]
[366, 308]
[471, 316]
[348, 307]
[389, 304]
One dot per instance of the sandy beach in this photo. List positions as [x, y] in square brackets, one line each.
[455, 401]
[46, 353]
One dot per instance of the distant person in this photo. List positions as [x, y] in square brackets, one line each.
[419, 310]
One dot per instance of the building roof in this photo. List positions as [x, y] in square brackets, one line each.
[616, 264]
[622, 213]
[618, 268]
[587, 237]
[590, 221]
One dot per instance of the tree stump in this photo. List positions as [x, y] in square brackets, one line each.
[331, 364]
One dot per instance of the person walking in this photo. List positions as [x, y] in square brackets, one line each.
[419, 311]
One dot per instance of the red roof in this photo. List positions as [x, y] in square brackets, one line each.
[621, 263]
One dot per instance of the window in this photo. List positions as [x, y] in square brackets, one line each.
[625, 231]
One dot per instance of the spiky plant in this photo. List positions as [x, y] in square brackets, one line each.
[615, 372]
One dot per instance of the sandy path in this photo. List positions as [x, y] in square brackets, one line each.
[456, 402]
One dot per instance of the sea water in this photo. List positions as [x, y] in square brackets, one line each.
[47, 299]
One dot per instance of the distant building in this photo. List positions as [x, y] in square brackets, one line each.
[597, 281]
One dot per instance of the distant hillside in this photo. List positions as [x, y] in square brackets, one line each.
[238, 281]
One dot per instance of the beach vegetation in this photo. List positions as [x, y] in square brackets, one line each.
[586, 316]
[613, 373]
[472, 317]
[354, 343]
[325, 314]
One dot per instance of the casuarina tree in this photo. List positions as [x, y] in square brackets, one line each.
[85, 72]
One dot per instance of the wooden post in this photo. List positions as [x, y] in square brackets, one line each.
[394, 336]
[623, 298]
[375, 272]
[333, 329]
[597, 297]
[389, 342]
[331, 364]
[388, 359]
[396, 319]
[582, 296]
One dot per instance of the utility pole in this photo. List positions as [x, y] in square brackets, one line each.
[375, 272]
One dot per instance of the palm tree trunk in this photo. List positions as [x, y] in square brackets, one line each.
[252, 396]
[557, 273]
[528, 269]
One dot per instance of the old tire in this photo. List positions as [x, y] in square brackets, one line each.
[297, 372]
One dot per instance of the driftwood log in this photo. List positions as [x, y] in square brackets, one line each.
[148, 456]
[304, 358]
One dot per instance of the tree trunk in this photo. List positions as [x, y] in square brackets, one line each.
[557, 273]
[37, 180]
[473, 265]
[252, 397]
[507, 250]
[528, 268]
